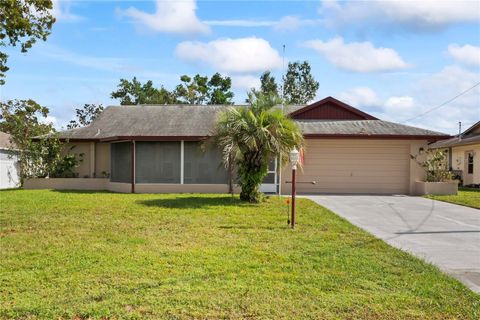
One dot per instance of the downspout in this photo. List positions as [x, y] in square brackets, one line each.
[133, 166]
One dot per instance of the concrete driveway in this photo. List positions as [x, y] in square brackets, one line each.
[444, 234]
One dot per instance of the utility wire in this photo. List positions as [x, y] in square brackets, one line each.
[443, 104]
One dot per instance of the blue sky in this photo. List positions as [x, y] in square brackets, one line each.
[394, 59]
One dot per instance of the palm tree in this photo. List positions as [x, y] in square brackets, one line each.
[249, 137]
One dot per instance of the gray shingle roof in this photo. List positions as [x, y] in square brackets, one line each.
[468, 137]
[453, 142]
[198, 121]
[362, 127]
[146, 120]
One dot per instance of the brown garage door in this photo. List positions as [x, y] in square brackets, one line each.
[356, 166]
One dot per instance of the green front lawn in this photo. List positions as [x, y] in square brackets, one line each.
[465, 197]
[105, 255]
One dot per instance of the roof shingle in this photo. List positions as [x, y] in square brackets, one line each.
[198, 121]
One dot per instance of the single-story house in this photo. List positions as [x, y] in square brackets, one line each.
[9, 171]
[156, 148]
[463, 154]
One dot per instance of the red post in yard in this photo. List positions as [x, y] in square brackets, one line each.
[294, 170]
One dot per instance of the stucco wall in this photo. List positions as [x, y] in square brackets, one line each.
[119, 187]
[66, 184]
[96, 158]
[182, 188]
[459, 159]
[102, 159]
[105, 184]
[417, 173]
[84, 169]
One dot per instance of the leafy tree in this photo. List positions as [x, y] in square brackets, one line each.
[192, 90]
[23, 22]
[85, 115]
[219, 90]
[300, 86]
[250, 137]
[134, 93]
[268, 85]
[37, 157]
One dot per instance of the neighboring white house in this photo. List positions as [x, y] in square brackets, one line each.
[9, 172]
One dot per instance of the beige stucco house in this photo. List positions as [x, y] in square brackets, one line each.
[464, 154]
[150, 148]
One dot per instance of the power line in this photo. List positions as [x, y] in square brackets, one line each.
[443, 104]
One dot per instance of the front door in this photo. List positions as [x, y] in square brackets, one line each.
[269, 184]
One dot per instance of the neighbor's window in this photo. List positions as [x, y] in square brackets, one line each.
[470, 163]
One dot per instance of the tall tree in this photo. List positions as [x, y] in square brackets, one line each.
[300, 86]
[192, 90]
[268, 85]
[134, 93]
[37, 157]
[251, 137]
[219, 90]
[85, 115]
[23, 22]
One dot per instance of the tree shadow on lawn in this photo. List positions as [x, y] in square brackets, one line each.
[194, 202]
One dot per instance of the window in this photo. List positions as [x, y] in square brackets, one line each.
[203, 166]
[157, 162]
[121, 162]
[470, 163]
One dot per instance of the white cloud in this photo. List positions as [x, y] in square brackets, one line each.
[170, 16]
[232, 55]
[62, 11]
[241, 23]
[468, 54]
[425, 94]
[400, 102]
[431, 92]
[94, 62]
[291, 23]
[358, 56]
[427, 14]
[49, 120]
[360, 97]
[245, 82]
[286, 23]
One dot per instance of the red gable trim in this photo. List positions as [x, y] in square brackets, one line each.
[323, 110]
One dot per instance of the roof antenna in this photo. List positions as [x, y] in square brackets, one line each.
[459, 130]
